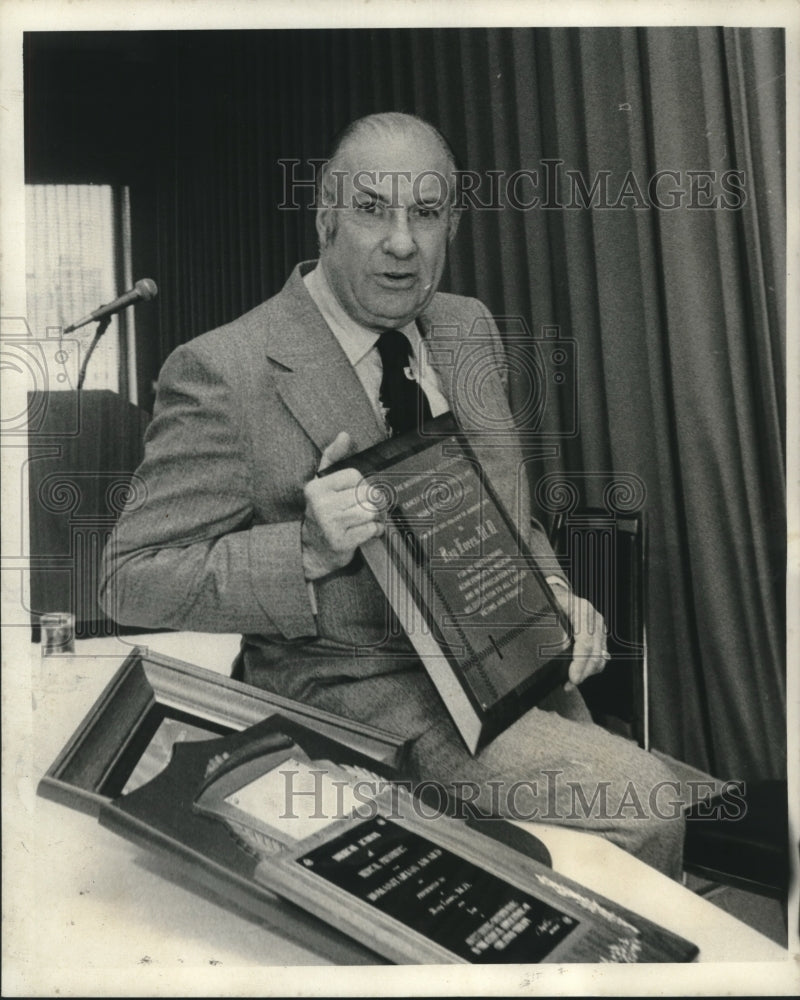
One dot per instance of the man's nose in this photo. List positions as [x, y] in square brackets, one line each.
[400, 240]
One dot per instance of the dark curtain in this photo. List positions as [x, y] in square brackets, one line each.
[679, 319]
[677, 314]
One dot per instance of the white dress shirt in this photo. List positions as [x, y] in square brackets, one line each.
[359, 344]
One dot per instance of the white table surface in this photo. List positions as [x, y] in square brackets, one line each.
[86, 912]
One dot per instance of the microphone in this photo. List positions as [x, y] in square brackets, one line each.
[143, 290]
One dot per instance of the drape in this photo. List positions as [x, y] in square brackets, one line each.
[675, 314]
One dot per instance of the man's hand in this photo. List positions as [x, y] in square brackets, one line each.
[336, 521]
[589, 653]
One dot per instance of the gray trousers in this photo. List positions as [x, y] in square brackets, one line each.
[553, 765]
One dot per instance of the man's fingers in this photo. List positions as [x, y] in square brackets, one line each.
[344, 479]
[585, 664]
[589, 642]
[338, 518]
[364, 532]
[355, 516]
[333, 515]
[343, 505]
[339, 448]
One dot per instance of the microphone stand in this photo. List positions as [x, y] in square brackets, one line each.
[102, 326]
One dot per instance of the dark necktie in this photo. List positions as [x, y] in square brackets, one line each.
[405, 403]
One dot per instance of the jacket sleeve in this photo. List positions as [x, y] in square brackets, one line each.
[186, 552]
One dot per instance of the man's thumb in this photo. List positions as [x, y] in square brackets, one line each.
[339, 448]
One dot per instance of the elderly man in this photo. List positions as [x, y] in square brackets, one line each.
[238, 533]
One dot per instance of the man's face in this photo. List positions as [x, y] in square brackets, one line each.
[392, 225]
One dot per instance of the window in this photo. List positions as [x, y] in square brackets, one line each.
[78, 257]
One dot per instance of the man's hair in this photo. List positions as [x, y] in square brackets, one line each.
[375, 125]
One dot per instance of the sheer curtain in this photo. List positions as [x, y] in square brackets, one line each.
[77, 257]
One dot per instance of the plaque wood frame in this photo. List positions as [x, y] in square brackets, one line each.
[487, 670]
[116, 732]
[117, 726]
[113, 735]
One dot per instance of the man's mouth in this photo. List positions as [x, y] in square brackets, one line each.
[397, 279]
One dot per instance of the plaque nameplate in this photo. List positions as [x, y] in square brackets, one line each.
[281, 808]
[463, 585]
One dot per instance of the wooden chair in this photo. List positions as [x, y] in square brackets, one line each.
[603, 554]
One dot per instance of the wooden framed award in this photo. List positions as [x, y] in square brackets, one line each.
[464, 587]
[302, 821]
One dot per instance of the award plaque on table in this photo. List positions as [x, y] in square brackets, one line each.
[284, 809]
[464, 587]
[293, 816]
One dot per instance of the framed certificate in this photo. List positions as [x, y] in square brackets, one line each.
[464, 587]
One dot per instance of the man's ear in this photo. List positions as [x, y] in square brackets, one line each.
[322, 222]
[455, 218]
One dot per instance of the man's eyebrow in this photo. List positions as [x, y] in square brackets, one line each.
[371, 193]
[437, 198]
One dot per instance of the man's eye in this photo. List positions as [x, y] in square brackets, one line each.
[369, 205]
[428, 212]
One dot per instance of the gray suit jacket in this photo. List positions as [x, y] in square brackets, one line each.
[211, 540]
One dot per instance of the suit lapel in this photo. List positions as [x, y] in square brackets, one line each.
[313, 375]
[469, 384]
[477, 397]
[441, 335]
